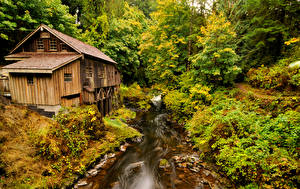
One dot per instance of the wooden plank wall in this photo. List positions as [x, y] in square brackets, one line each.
[31, 44]
[70, 102]
[46, 89]
[40, 92]
[111, 74]
[88, 97]
[4, 85]
[66, 88]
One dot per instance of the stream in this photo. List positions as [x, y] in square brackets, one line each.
[163, 159]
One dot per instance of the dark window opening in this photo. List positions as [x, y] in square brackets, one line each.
[101, 71]
[40, 44]
[63, 47]
[68, 77]
[30, 80]
[53, 46]
[89, 71]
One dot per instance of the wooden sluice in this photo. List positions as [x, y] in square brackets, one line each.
[105, 99]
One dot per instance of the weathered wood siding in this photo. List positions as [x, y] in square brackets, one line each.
[88, 97]
[31, 44]
[4, 85]
[47, 89]
[70, 102]
[40, 92]
[64, 88]
[103, 74]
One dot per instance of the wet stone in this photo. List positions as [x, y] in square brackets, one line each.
[206, 172]
[177, 181]
[164, 163]
[92, 172]
[123, 147]
[181, 176]
[82, 183]
[200, 186]
[195, 169]
[134, 166]
[115, 185]
[100, 165]
[111, 155]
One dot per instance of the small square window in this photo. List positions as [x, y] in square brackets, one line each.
[68, 77]
[29, 80]
[53, 46]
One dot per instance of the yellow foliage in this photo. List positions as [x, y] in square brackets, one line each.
[291, 41]
[217, 55]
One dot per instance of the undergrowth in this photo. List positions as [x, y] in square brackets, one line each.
[279, 76]
[37, 152]
[136, 96]
[248, 142]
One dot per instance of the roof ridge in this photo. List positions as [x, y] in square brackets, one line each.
[76, 44]
[64, 36]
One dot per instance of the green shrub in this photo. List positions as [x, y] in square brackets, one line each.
[248, 146]
[216, 62]
[71, 133]
[136, 96]
[181, 106]
[185, 102]
[277, 77]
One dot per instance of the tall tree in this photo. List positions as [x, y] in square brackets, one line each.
[217, 62]
[19, 17]
[122, 43]
[147, 6]
[262, 27]
[164, 45]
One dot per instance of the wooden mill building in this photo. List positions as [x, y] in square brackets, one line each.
[51, 69]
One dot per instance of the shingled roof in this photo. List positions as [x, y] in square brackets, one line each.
[41, 62]
[76, 44]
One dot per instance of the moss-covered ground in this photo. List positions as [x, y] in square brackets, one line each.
[38, 152]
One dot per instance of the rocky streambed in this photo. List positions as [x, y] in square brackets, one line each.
[164, 158]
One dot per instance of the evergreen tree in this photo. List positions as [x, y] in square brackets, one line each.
[262, 27]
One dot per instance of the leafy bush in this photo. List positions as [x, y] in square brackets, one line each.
[136, 96]
[248, 146]
[70, 136]
[180, 104]
[184, 104]
[276, 77]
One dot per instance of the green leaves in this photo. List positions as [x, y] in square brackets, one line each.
[217, 62]
[164, 45]
[248, 145]
[20, 17]
[123, 41]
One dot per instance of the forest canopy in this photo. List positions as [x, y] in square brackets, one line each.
[158, 41]
[228, 70]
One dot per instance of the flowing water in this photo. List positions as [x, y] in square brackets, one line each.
[162, 159]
